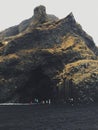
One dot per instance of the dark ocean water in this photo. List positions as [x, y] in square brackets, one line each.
[48, 117]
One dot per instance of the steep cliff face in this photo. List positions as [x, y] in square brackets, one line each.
[52, 59]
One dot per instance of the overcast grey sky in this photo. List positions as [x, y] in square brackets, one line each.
[12, 12]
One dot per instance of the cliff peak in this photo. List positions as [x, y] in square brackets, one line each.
[39, 17]
[40, 13]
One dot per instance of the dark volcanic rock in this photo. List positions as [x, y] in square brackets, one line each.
[50, 59]
[39, 17]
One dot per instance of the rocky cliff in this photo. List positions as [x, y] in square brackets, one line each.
[48, 59]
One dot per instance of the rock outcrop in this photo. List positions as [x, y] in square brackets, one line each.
[50, 59]
[39, 17]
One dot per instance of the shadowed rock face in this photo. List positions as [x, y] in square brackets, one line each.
[39, 86]
[52, 59]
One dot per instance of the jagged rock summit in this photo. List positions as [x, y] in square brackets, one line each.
[47, 58]
[40, 16]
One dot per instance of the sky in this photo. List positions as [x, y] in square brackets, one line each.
[12, 12]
